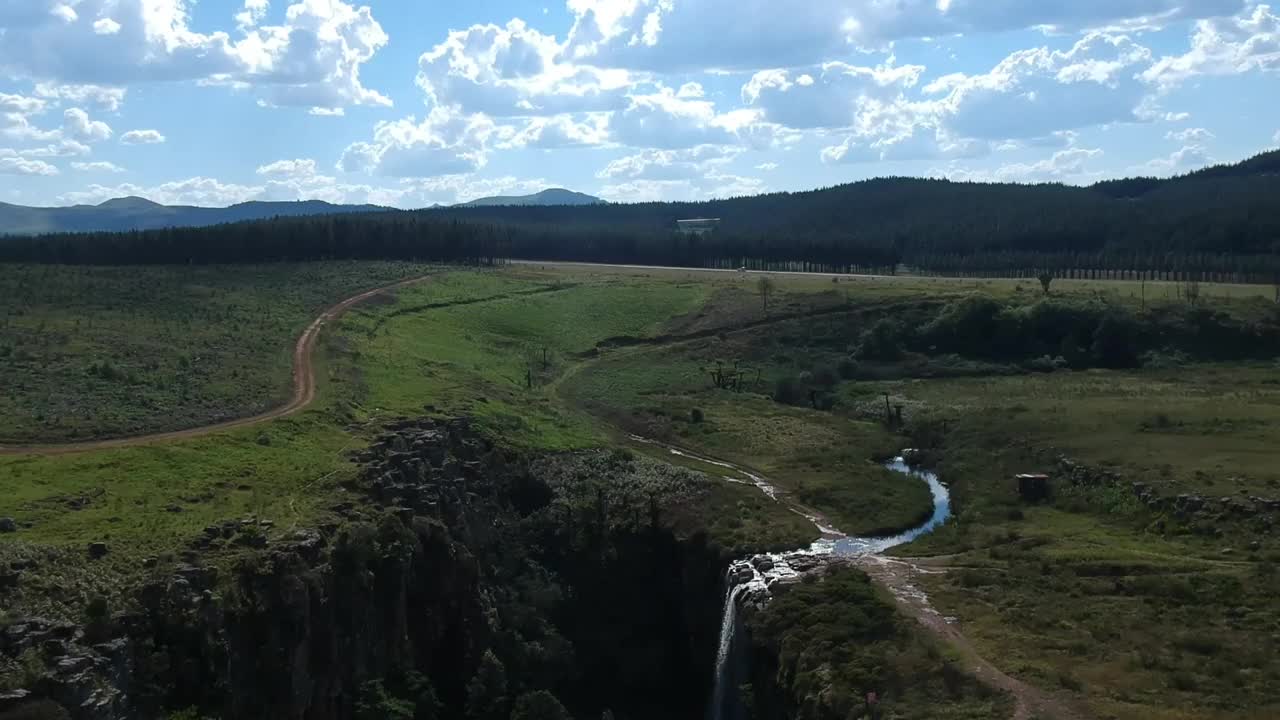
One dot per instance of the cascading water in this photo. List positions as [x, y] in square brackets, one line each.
[722, 699]
[761, 571]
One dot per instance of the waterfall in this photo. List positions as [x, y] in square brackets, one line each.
[723, 693]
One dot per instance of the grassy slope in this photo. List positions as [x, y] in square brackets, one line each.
[89, 352]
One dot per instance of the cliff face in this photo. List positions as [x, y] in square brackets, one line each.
[457, 583]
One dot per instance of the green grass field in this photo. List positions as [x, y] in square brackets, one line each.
[106, 352]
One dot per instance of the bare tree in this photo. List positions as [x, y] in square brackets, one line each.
[765, 286]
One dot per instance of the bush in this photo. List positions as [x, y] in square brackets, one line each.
[882, 341]
[1114, 344]
[826, 377]
[847, 368]
[696, 416]
[540, 705]
[789, 391]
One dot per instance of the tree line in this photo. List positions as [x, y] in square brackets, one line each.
[1219, 225]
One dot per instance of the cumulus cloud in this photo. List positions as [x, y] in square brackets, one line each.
[289, 169]
[1190, 157]
[142, 137]
[826, 96]
[444, 143]
[77, 125]
[920, 142]
[560, 131]
[1197, 136]
[1065, 165]
[1039, 91]
[312, 59]
[669, 164]
[108, 99]
[1225, 46]
[662, 119]
[515, 70]
[714, 185]
[62, 148]
[12, 164]
[97, 167]
[672, 35]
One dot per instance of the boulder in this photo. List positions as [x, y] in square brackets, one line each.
[98, 550]
[8, 525]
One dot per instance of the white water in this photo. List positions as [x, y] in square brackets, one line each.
[755, 575]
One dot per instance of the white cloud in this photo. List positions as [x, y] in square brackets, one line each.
[515, 71]
[648, 191]
[20, 104]
[920, 142]
[77, 125]
[106, 26]
[312, 59]
[282, 169]
[103, 98]
[142, 137]
[828, 96]
[663, 120]
[1197, 136]
[1066, 166]
[97, 167]
[445, 143]
[62, 148]
[715, 185]
[676, 35]
[560, 131]
[1039, 91]
[1275, 139]
[1225, 46]
[327, 112]
[11, 164]
[254, 11]
[669, 164]
[767, 167]
[1190, 157]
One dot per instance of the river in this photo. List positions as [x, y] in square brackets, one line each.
[757, 573]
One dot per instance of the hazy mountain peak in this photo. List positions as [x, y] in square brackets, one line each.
[130, 202]
[550, 196]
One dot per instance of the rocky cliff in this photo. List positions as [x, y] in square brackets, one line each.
[458, 581]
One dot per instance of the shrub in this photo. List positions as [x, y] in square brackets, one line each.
[826, 376]
[696, 416]
[1114, 341]
[540, 705]
[847, 368]
[789, 391]
[882, 341]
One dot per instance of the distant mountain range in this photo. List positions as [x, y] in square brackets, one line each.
[135, 213]
[553, 196]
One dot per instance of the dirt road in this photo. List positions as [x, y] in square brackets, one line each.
[304, 389]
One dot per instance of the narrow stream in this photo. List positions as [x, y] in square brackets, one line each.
[757, 573]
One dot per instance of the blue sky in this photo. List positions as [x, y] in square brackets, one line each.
[416, 102]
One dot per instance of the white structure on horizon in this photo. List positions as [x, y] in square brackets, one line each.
[698, 226]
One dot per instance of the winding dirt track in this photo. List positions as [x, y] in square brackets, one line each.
[304, 389]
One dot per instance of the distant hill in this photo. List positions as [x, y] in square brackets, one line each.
[553, 196]
[1267, 163]
[135, 213]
